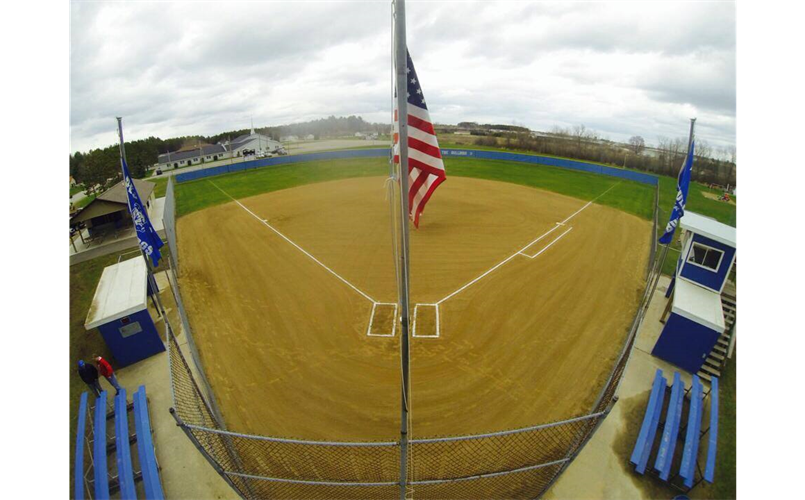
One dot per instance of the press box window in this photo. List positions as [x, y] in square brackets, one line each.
[706, 257]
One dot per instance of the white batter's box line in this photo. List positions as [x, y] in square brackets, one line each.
[438, 329]
[372, 319]
[548, 245]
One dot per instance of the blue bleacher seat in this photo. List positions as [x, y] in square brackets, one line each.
[691, 451]
[79, 448]
[99, 449]
[672, 418]
[145, 447]
[648, 430]
[125, 474]
[710, 468]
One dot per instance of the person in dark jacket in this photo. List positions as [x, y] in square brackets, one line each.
[89, 374]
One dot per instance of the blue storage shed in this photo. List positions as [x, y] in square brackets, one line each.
[119, 311]
[697, 316]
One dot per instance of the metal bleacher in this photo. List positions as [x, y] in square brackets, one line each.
[690, 472]
[102, 483]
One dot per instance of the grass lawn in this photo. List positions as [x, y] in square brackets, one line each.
[76, 189]
[83, 202]
[161, 186]
[84, 344]
[726, 483]
[697, 202]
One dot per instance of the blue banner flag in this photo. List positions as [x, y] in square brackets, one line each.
[682, 185]
[150, 242]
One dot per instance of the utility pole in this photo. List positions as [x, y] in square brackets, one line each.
[401, 65]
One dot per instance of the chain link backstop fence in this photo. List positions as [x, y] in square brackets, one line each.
[515, 464]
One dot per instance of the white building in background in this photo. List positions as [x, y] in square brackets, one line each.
[222, 150]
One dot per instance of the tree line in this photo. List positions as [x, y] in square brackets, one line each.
[98, 169]
[710, 166]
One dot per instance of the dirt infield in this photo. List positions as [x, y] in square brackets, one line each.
[284, 340]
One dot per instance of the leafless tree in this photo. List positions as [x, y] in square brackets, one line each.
[637, 144]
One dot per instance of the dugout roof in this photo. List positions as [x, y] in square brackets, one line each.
[121, 292]
[112, 200]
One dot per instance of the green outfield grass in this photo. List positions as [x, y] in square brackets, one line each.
[196, 195]
[628, 196]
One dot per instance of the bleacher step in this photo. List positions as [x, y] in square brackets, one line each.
[711, 370]
[712, 363]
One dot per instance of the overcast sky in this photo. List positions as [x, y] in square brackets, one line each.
[619, 68]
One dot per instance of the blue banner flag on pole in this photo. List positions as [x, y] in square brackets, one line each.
[683, 183]
[150, 242]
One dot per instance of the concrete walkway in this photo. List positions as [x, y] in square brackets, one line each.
[602, 469]
[185, 472]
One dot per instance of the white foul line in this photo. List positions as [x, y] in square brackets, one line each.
[548, 245]
[317, 261]
[519, 252]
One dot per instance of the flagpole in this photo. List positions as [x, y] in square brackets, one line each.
[401, 59]
[665, 248]
[149, 267]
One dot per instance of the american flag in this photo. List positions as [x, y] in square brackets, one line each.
[425, 165]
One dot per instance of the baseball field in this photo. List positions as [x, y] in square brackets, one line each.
[522, 297]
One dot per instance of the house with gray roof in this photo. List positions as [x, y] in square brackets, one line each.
[220, 151]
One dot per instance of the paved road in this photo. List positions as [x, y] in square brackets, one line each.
[78, 196]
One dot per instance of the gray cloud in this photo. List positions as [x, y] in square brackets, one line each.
[200, 68]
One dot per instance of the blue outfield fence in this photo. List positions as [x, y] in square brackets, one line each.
[554, 162]
[447, 153]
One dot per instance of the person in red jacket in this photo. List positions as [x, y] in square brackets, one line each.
[105, 369]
